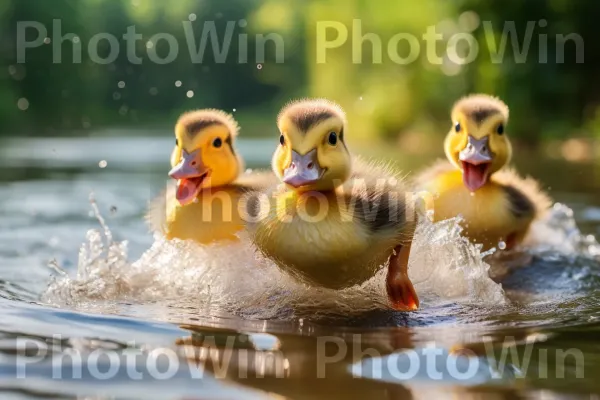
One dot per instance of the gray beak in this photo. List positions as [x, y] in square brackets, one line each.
[303, 170]
[190, 166]
[477, 151]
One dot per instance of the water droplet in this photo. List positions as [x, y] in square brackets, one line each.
[23, 104]
[190, 94]
[472, 193]
[17, 72]
[47, 40]
[259, 66]
[360, 98]
[149, 44]
[502, 245]
[178, 83]
[243, 23]
[113, 209]
[123, 110]
[53, 242]
[192, 17]
[234, 110]
[103, 164]
[76, 39]
[121, 84]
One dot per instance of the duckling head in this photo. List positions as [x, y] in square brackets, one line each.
[477, 142]
[204, 155]
[312, 153]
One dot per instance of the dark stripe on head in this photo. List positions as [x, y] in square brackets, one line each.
[305, 121]
[194, 122]
[229, 143]
[480, 107]
[194, 127]
[342, 139]
[482, 114]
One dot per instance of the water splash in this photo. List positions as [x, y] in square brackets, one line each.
[446, 264]
[181, 280]
[558, 234]
[233, 279]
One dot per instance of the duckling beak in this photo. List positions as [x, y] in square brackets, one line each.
[190, 173]
[303, 170]
[476, 159]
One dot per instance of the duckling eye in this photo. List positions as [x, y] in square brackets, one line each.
[500, 129]
[332, 139]
[281, 140]
[217, 142]
[457, 127]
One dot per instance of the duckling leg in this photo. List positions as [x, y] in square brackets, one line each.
[400, 290]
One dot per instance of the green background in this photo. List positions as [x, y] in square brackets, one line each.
[550, 102]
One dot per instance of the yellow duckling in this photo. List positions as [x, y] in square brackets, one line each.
[203, 205]
[329, 225]
[497, 204]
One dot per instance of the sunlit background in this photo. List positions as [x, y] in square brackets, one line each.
[554, 106]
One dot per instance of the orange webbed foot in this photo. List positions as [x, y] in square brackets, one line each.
[400, 290]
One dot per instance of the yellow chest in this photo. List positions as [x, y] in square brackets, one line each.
[313, 235]
[213, 217]
[487, 213]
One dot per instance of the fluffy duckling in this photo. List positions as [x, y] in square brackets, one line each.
[203, 205]
[327, 224]
[497, 205]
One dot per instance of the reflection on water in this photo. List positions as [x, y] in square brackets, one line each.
[224, 312]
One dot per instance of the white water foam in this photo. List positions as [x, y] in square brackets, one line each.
[234, 279]
[558, 233]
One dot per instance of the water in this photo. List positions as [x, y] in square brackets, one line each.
[83, 304]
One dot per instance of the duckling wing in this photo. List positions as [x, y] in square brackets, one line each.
[156, 216]
[525, 196]
[377, 193]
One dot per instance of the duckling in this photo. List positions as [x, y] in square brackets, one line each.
[496, 204]
[330, 225]
[203, 205]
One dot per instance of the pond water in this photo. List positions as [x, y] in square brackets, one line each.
[93, 306]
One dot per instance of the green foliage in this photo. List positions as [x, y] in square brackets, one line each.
[382, 97]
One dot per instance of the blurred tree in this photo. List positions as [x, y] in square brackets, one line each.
[383, 96]
[548, 98]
